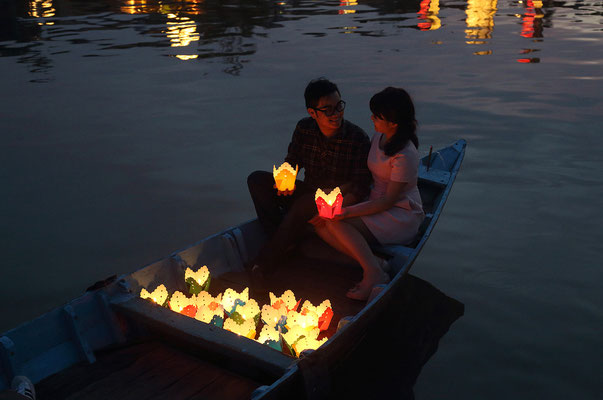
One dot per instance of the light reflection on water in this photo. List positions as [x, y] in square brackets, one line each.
[127, 129]
[192, 25]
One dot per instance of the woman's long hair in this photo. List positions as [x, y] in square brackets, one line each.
[395, 105]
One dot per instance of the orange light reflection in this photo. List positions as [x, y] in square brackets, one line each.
[429, 10]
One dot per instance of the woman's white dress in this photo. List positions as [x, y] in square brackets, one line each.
[399, 224]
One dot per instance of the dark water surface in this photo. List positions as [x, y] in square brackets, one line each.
[128, 128]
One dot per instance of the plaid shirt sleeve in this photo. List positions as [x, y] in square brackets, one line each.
[331, 162]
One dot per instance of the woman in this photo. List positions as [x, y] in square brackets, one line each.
[394, 210]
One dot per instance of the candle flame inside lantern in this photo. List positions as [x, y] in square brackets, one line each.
[329, 205]
[159, 295]
[284, 176]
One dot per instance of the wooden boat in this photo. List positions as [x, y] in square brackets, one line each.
[110, 343]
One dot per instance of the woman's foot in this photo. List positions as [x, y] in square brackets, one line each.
[363, 289]
[383, 264]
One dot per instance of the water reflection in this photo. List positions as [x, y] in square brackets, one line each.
[42, 9]
[429, 11]
[531, 22]
[480, 20]
[229, 31]
[347, 3]
[399, 344]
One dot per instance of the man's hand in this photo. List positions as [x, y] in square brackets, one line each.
[284, 192]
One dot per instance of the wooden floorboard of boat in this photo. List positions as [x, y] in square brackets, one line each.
[149, 370]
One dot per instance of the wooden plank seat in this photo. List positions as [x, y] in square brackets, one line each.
[146, 370]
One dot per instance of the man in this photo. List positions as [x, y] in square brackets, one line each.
[332, 151]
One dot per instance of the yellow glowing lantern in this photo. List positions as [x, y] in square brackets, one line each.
[207, 313]
[200, 278]
[268, 334]
[324, 312]
[231, 297]
[272, 316]
[293, 334]
[307, 321]
[287, 298]
[284, 176]
[247, 328]
[179, 301]
[249, 310]
[306, 343]
[159, 295]
[328, 205]
[206, 299]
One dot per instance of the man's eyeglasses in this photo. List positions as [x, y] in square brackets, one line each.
[328, 111]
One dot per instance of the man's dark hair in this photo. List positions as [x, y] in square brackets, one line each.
[318, 88]
[395, 105]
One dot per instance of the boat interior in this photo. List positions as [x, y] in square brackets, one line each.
[119, 346]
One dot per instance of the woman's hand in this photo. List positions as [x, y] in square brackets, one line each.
[317, 221]
[344, 214]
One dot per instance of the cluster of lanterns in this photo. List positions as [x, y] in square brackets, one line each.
[329, 205]
[285, 325]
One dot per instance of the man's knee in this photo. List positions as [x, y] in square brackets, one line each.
[259, 179]
[304, 207]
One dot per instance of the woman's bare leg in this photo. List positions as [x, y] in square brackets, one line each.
[359, 249]
[324, 234]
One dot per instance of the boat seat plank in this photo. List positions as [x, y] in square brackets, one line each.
[212, 342]
[150, 370]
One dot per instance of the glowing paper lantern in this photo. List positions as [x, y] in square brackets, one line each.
[206, 299]
[270, 337]
[307, 321]
[232, 298]
[249, 310]
[293, 334]
[211, 314]
[246, 329]
[329, 205]
[274, 316]
[324, 312]
[197, 280]
[159, 295]
[179, 300]
[287, 298]
[189, 311]
[306, 343]
[284, 176]
[267, 333]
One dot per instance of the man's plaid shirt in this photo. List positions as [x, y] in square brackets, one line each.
[334, 161]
